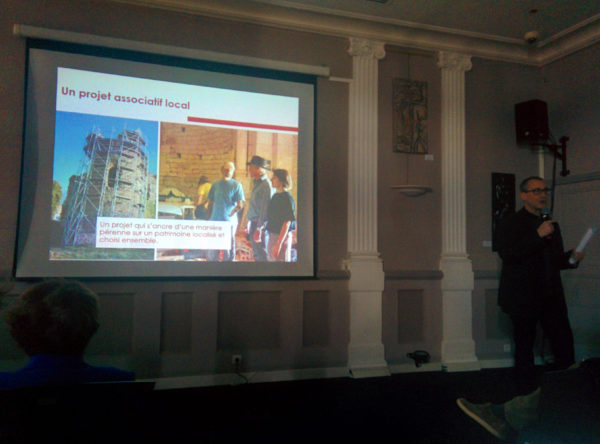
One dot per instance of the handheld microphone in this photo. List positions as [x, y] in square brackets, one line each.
[546, 215]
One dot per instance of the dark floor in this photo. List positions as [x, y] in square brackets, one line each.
[411, 408]
[402, 408]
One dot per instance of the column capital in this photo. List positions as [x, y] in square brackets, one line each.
[454, 61]
[364, 47]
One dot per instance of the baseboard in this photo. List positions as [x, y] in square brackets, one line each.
[369, 372]
[412, 368]
[464, 366]
[178, 382]
[510, 362]
[497, 363]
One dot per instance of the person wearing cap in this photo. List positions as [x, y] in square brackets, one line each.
[262, 191]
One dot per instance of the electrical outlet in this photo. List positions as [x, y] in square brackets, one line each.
[236, 360]
[506, 347]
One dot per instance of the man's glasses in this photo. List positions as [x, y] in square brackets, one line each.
[538, 191]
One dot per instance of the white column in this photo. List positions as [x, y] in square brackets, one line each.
[365, 350]
[458, 347]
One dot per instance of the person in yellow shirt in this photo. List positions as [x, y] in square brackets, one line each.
[202, 212]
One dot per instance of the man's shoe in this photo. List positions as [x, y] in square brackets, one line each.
[522, 411]
[484, 416]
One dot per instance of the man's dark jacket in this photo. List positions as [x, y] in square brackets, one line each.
[531, 265]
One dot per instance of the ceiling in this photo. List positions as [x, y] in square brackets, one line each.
[492, 19]
[492, 29]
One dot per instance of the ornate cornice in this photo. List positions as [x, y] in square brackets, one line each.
[388, 31]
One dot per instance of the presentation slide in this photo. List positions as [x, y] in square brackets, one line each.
[163, 171]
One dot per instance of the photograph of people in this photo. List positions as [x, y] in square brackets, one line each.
[194, 158]
[225, 199]
[262, 190]
[281, 219]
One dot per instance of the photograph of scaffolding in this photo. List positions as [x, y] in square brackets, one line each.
[103, 167]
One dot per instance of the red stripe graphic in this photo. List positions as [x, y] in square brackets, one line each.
[242, 124]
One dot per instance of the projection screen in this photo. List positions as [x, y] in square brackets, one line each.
[118, 152]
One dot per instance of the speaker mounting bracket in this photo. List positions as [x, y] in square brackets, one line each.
[560, 152]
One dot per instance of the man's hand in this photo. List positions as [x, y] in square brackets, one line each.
[578, 255]
[546, 228]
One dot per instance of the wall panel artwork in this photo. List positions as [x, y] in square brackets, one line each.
[410, 116]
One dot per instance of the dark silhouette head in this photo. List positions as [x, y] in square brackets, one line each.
[57, 316]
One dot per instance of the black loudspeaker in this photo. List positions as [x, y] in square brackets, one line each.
[531, 123]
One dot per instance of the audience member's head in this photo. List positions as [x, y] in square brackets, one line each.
[54, 317]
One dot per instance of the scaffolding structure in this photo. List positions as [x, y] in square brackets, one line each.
[112, 182]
